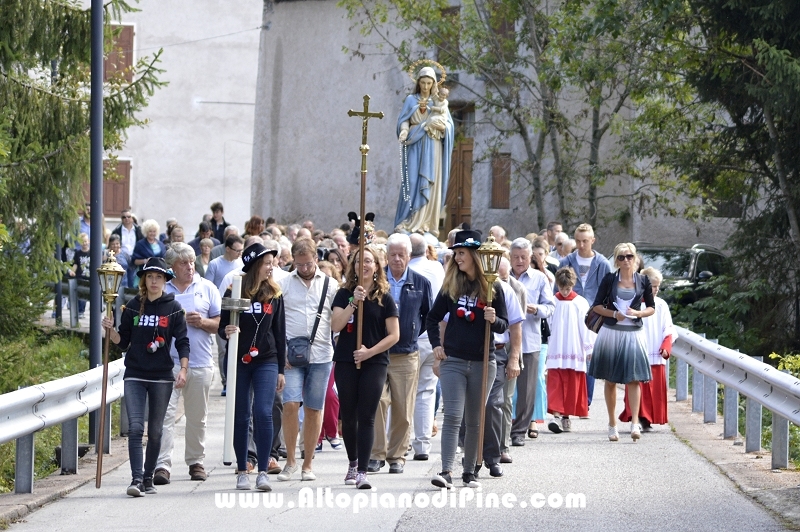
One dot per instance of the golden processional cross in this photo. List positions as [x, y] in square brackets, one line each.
[365, 116]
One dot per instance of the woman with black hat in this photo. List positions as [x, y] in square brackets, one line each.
[460, 357]
[149, 323]
[260, 360]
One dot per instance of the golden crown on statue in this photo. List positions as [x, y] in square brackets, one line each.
[413, 70]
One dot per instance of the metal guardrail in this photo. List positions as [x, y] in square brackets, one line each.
[760, 383]
[62, 401]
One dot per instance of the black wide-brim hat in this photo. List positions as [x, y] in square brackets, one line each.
[467, 239]
[253, 253]
[156, 264]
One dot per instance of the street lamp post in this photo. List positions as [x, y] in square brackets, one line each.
[490, 254]
[110, 275]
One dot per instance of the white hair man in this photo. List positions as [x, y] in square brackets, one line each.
[424, 423]
[562, 247]
[540, 305]
[498, 233]
[412, 293]
[201, 301]
[507, 351]
[504, 274]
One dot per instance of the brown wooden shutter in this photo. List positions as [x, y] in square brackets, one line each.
[501, 181]
[120, 58]
[117, 192]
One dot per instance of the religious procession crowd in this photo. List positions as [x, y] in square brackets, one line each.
[425, 308]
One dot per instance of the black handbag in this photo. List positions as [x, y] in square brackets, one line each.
[298, 350]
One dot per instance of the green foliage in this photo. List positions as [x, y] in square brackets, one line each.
[45, 51]
[23, 295]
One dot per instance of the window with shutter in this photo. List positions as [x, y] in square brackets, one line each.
[501, 181]
[119, 61]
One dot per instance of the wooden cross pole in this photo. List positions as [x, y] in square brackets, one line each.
[365, 116]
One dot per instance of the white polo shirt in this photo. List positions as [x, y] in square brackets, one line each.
[300, 303]
[206, 300]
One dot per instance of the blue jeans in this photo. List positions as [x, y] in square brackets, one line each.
[156, 395]
[264, 380]
[461, 393]
[307, 385]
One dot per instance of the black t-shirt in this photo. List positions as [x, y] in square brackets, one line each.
[374, 330]
[81, 260]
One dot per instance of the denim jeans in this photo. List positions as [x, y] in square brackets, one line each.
[156, 395]
[461, 393]
[264, 380]
[307, 385]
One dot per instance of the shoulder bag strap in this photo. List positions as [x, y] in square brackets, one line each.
[319, 309]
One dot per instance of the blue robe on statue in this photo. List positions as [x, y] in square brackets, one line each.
[418, 164]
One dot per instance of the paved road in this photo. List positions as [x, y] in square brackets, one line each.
[656, 484]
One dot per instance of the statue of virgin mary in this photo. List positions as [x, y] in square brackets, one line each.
[426, 132]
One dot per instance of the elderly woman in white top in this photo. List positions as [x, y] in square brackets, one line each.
[660, 334]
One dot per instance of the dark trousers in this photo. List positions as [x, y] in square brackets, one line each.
[156, 395]
[493, 427]
[359, 394]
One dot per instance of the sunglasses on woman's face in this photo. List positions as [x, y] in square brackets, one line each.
[621, 258]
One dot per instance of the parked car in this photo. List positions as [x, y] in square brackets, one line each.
[685, 270]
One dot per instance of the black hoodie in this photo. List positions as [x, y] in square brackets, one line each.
[163, 317]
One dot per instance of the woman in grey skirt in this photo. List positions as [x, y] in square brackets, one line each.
[620, 352]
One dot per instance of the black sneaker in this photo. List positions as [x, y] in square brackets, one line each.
[136, 489]
[442, 480]
[148, 486]
[468, 480]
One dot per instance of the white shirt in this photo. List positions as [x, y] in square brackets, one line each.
[208, 303]
[584, 265]
[570, 340]
[514, 310]
[433, 271]
[300, 303]
[128, 238]
[540, 295]
[656, 328]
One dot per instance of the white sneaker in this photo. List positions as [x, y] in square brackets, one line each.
[242, 481]
[307, 475]
[262, 482]
[636, 431]
[287, 472]
[613, 434]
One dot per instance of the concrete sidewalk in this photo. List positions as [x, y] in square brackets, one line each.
[656, 484]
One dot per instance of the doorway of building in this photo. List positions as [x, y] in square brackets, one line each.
[458, 201]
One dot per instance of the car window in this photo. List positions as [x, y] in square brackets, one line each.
[710, 262]
[672, 264]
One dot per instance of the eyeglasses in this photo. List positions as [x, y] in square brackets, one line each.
[127, 217]
[621, 258]
[238, 251]
[304, 266]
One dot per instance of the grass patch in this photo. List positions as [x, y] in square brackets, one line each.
[35, 359]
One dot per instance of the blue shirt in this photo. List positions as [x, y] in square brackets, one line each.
[396, 287]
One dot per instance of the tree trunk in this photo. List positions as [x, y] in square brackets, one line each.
[535, 158]
[594, 161]
[561, 186]
[782, 180]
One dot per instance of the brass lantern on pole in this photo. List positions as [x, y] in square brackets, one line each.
[490, 254]
[110, 275]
